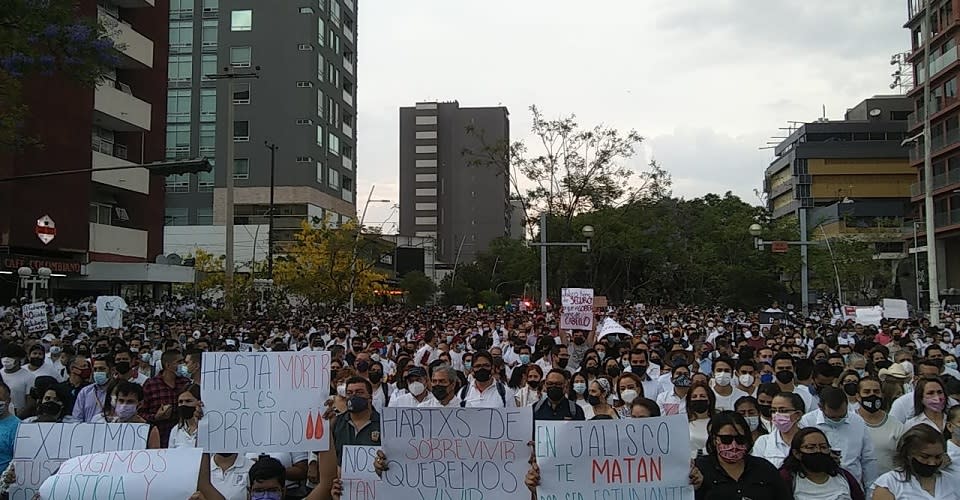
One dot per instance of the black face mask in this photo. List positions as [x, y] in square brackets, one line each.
[818, 462]
[533, 384]
[699, 406]
[36, 362]
[562, 362]
[784, 376]
[357, 404]
[439, 391]
[123, 366]
[186, 412]
[592, 370]
[482, 374]
[923, 470]
[850, 388]
[555, 394]
[871, 404]
[638, 370]
[613, 371]
[765, 410]
[579, 340]
[375, 377]
[50, 408]
[593, 400]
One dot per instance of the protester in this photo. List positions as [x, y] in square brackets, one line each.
[847, 433]
[750, 409]
[644, 408]
[18, 380]
[8, 427]
[90, 399]
[811, 470]
[52, 407]
[160, 395]
[599, 400]
[786, 410]
[918, 468]
[701, 407]
[556, 406]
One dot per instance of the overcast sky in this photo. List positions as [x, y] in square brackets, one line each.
[706, 82]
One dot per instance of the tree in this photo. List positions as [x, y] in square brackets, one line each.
[455, 291]
[418, 287]
[325, 264]
[41, 38]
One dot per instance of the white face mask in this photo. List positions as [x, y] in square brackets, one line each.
[342, 390]
[8, 363]
[416, 388]
[753, 422]
[746, 380]
[722, 378]
[628, 396]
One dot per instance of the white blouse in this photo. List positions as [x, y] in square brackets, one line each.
[945, 488]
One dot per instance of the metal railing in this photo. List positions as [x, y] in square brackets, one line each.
[946, 218]
[939, 181]
[100, 145]
[936, 144]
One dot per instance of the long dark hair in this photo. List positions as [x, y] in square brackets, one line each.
[792, 463]
[752, 401]
[916, 437]
[711, 400]
[919, 390]
[194, 390]
[722, 419]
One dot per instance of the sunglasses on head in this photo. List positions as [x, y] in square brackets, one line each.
[727, 439]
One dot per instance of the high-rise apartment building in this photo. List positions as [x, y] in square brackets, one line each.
[119, 123]
[302, 101]
[944, 109]
[442, 194]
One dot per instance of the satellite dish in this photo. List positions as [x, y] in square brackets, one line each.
[161, 259]
[174, 259]
[875, 112]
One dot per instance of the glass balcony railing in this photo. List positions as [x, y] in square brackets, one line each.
[916, 118]
[938, 64]
[938, 143]
[945, 219]
[939, 181]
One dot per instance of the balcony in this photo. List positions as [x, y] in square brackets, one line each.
[916, 119]
[347, 97]
[133, 4]
[946, 219]
[348, 33]
[938, 143]
[136, 50]
[134, 179]
[939, 181]
[347, 130]
[914, 8]
[347, 65]
[347, 163]
[115, 240]
[937, 65]
[116, 108]
[350, 5]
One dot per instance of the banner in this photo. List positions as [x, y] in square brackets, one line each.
[41, 448]
[869, 315]
[360, 479]
[133, 475]
[35, 317]
[577, 309]
[622, 459]
[264, 402]
[895, 309]
[610, 326]
[463, 453]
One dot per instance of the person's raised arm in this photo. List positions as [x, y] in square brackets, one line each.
[204, 486]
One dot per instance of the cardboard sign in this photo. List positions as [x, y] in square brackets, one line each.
[40, 449]
[895, 309]
[464, 453]
[264, 402]
[360, 479]
[577, 309]
[134, 475]
[869, 315]
[600, 302]
[610, 326]
[633, 458]
[35, 317]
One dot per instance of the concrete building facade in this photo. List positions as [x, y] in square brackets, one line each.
[443, 194]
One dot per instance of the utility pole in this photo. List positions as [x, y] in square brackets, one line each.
[273, 157]
[586, 231]
[928, 208]
[228, 265]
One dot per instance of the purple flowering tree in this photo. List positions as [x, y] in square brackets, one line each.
[42, 38]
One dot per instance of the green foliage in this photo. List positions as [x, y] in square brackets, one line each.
[419, 288]
[456, 292]
[489, 298]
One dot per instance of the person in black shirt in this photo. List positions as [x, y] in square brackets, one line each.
[359, 425]
[556, 406]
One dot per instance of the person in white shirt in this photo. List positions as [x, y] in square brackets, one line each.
[18, 379]
[846, 433]
[722, 385]
[417, 389]
[38, 364]
[445, 383]
[883, 430]
[921, 471]
[429, 352]
[929, 403]
[673, 402]
[786, 411]
[530, 393]
[649, 376]
[558, 358]
[484, 391]
[747, 380]
[785, 373]
[228, 474]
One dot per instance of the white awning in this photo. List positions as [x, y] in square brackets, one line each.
[137, 272]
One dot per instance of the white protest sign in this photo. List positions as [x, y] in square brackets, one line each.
[35, 317]
[144, 474]
[264, 402]
[41, 448]
[463, 453]
[610, 326]
[577, 309]
[895, 309]
[869, 315]
[633, 458]
[360, 480]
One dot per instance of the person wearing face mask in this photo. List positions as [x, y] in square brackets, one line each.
[701, 406]
[417, 391]
[9, 423]
[649, 375]
[597, 397]
[577, 342]
[556, 406]
[929, 404]
[18, 379]
[381, 389]
[443, 387]
[358, 426]
[189, 411]
[723, 386]
[673, 402]
[729, 471]
[50, 407]
[38, 364]
[919, 469]
[746, 377]
[78, 376]
[122, 405]
[785, 375]
[124, 368]
[578, 393]
[91, 399]
[750, 409]
[847, 433]
[530, 393]
[787, 408]
[812, 473]
[884, 431]
[483, 391]
[160, 394]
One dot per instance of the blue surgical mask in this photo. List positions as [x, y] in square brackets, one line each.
[524, 358]
[467, 365]
[266, 495]
[99, 378]
[182, 371]
[951, 364]
[766, 378]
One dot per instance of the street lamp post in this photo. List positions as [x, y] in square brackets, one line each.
[30, 280]
[273, 153]
[756, 230]
[587, 232]
[356, 244]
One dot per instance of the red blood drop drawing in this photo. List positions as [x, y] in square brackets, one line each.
[319, 433]
[310, 426]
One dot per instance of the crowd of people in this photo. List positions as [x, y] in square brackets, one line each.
[779, 405]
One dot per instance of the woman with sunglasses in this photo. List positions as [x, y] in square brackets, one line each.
[785, 410]
[918, 469]
[812, 471]
[728, 471]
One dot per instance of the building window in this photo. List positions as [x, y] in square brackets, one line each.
[205, 180]
[178, 105]
[240, 57]
[241, 20]
[181, 36]
[241, 93]
[241, 168]
[426, 120]
[320, 100]
[306, 10]
[319, 136]
[209, 33]
[208, 105]
[208, 139]
[205, 216]
[181, 8]
[304, 121]
[208, 66]
[304, 159]
[304, 84]
[319, 173]
[304, 46]
[426, 192]
[426, 221]
[427, 134]
[426, 207]
[333, 178]
[180, 68]
[347, 184]
[176, 217]
[320, 67]
[241, 131]
[178, 183]
[335, 11]
[321, 31]
[426, 164]
[333, 41]
[210, 5]
[427, 149]
[101, 213]
[426, 177]
[178, 140]
[333, 144]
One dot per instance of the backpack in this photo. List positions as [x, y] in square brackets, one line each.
[501, 389]
[386, 395]
[573, 406]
